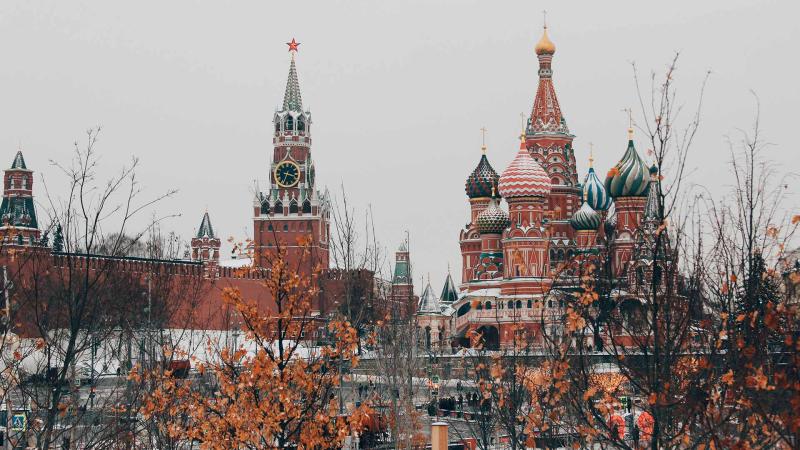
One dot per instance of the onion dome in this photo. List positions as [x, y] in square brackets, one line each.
[629, 178]
[492, 220]
[545, 46]
[585, 218]
[594, 193]
[611, 219]
[524, 177]
[482, 180]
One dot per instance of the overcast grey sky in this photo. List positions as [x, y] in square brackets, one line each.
[398, 90]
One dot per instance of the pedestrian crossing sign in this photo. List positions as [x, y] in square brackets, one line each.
[19, 422]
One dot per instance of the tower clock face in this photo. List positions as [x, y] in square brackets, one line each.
[287, 174]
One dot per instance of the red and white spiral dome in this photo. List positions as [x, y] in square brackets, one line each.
[524, 177]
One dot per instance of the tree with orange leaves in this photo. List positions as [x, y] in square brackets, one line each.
[274, 390]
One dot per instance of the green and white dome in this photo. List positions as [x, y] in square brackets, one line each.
[630, 177]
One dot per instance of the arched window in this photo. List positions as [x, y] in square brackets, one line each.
[301, 123]
[279, 207]
[288, 123]
[561, 255]
[24, 182]
[510, 304]
[479, 307]
[306, 207]
[269, 227]
[265, 207]
[553, 255]
[286, 227]
[530, 303]
[293, 207]
[519, 304]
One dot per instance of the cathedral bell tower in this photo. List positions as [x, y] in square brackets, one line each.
[291, 208]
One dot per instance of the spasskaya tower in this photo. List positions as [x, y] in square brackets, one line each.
[292, 208]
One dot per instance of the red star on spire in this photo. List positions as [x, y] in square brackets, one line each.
[293, 45]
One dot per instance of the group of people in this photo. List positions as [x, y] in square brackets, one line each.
[456, 403]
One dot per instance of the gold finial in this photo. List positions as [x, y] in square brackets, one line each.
[591, 154]
[483, 140]
[493, 192]
[544, 18]
[545, 46]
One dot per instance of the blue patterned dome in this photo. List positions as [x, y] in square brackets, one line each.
[630, 177]
[585, 218]
[492, 220]
[481, 181]
[594, 193]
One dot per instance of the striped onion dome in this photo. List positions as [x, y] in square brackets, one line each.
[492, 220]
[594, 193]
[524, 177]
[585, 218]
[482, 180]
[630, 177]
[611, 219]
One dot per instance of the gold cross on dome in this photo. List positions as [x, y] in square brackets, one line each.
[630, 116]
[483, 139]
[544, 17]
[630, 122]
[591, 154]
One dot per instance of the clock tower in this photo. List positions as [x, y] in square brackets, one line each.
[292, 208]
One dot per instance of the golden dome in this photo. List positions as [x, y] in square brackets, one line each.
[545, 46]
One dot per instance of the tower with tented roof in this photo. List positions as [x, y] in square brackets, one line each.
[205, 245]
[401, 298]
[291, 208]
[18, 224]
[549, 141]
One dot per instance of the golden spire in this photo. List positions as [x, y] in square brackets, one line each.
[545, 46]
[483, 140]
[591, 155]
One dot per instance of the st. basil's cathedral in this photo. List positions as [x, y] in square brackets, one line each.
[518, 261]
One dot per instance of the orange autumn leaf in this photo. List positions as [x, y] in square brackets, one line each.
[728, 378]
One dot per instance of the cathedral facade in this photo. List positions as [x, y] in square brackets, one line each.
[531, 223]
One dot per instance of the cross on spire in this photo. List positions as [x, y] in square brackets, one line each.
[630, 122]
[591, 154]
[544, 18]
[483, 139]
